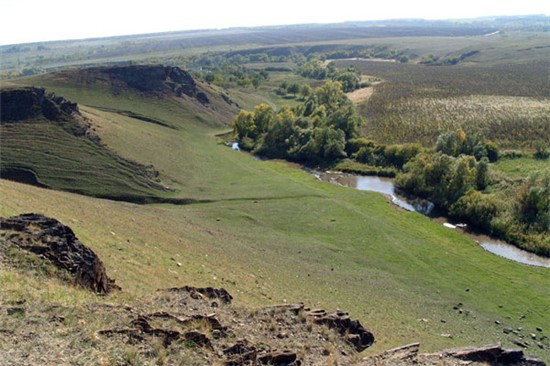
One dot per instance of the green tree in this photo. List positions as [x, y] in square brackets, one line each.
[463, 178]
[263, 117]
[331, 95]
[533, 199]
[293, 88]
[482, 174]
[345, 119]
[243, 125]
[477, 208]
[306, 91]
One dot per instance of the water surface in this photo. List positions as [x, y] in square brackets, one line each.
[387, 187]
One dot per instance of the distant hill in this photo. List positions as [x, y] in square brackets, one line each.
[48, 142]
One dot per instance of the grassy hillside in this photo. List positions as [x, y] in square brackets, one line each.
[272, 233]
[59, 159]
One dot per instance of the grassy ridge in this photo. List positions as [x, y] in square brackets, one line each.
[66, 162]
[272, 233]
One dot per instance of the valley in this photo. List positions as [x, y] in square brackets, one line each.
[164, 202]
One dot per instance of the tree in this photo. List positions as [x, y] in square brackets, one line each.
[482, 174]
[448, 143]
[463, 178]
[243, 125]
[293, 88]
[477, 208]
[492, 151]
[306, 91]
[263, 117]
[277, 140]
[334, 143]
[349, 78]
[345, 119]
[533, 202]
[331, 95]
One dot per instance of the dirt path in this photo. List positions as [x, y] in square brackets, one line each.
[362, 94]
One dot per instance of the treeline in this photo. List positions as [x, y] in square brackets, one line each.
[225, 71]
[313, 132]
[450, 60]
[350, 77]
[456, 178]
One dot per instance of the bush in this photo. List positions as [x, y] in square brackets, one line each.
[512, 154]
[541, 151]
[477, 209]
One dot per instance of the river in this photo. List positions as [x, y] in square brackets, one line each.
[386, 187]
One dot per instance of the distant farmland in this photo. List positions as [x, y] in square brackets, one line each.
[508, 103]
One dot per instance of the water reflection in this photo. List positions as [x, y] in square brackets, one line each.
[367, 183]
[386, 186]
[513, 253]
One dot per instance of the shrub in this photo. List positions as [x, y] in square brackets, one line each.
[541, 151]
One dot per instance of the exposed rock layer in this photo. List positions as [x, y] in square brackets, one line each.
[150, 79]
[48, 238]
[24, 103]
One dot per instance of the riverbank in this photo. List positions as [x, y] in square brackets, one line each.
[386, 187]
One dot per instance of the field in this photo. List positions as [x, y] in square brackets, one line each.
[270, 232]
[506, 102]
[522, 167]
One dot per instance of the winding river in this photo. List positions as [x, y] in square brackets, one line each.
[386, 187]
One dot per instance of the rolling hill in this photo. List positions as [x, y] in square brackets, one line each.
[266, 230]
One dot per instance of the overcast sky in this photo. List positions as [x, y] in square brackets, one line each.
[23, 21]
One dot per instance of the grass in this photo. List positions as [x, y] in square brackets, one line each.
[71, 163]
[270, 232]
[522, 167]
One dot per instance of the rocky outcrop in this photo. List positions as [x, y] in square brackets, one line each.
[223, 334]
[151, 79]
[200, 293]
[351, 329]
[49, 239]
[31, 104]
[473, 356]
[18, 104]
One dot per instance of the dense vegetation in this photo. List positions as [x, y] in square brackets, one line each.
[314, 131]
[456, 178]
[350, 77]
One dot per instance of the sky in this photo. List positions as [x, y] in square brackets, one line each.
[24, 21]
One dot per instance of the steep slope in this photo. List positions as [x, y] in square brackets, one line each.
[52, 142]
[210, 105]
[46, 141]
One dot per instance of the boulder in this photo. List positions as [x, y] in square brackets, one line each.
[49, 239]
[354, 332]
